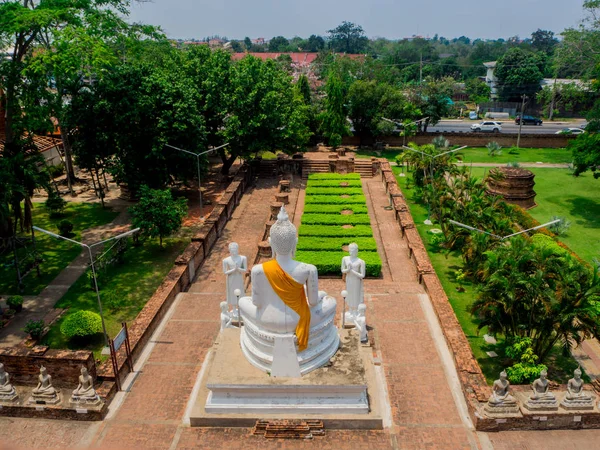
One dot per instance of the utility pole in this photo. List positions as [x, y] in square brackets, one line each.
[552, 102]
[421, 70]
[524, 97]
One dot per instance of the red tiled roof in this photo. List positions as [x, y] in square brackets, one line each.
[43, 143]
[297, 57]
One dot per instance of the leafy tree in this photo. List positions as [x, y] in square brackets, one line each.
[315, 44]
[586, 153]
[477, 90]
[157, 214]
[304, 88]
[567, 96]
[543, 41]
[434, 98]
[264, 111]
[348, 38]
[519, 72]
[278, 44]
[334, 125]
[248, 43]
[525, 369]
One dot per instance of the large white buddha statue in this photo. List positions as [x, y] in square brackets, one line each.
[286, 301]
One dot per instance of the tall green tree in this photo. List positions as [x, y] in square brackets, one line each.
[519, 72]
[586, 153]
[349, 38]
[334, 124]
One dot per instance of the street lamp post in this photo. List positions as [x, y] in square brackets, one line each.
[501, 238]
[198, 155]
[89, 249]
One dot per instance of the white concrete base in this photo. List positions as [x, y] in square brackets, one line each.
[233, 392]
[285, 358]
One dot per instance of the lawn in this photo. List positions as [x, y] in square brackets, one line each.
[561, 194]
[446, 264]
[480, 155]
[124, 290]
[56, 254]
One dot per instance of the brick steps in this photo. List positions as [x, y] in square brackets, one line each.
[267, 169]
[309, 167]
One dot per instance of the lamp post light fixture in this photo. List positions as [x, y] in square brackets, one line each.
[198, 155]
[237, 294]
[501, 238]
[89, 249]
[344, 295]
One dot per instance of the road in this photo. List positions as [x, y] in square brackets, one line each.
[508, 127]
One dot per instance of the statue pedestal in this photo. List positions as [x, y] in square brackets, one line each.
[235, 393]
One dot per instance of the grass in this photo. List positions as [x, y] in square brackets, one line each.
[124, 290]
[480, 155]
[446, 264]
[561, 194]
[56, 254]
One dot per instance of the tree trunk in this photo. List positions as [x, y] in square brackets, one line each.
[68, 158]
[227, 163]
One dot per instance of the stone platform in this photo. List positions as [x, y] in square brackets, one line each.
[234, 393]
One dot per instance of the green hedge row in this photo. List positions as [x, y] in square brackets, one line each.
[329, 263]
[336, 219]
[316, 243]
[335, 200]
[334, 209]
[334, 183]
[333, 176]
[333, 191]
[335, 231]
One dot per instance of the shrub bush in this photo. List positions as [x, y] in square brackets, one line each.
[35, 328]
[335, 199]
[336, 219]
[330, 263]
[365, 244]
[333, 191]
[317, 208]
[525, 369]
[14, 301]
[65, 228]
[333, 183]
[81, 324]
[55, 204]
[335, 231]
[56, 171]
[333, 176]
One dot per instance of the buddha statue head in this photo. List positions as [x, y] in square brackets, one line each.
[234, 249]
[353, 250]
[577, 373]
[543, 374]
[503, 375]
[283, 235]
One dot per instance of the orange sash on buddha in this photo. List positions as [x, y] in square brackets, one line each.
[292, 294]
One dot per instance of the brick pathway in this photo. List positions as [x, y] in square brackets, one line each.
[425, 410]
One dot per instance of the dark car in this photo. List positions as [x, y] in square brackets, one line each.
[528, 120]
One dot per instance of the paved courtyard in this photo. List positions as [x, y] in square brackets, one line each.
[426, 407]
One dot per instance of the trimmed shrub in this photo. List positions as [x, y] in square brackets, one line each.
[56, 171]
[55, 204]
[35, 328]
[335, 199]
[365, 244]
[317, 208]
[333, 176]
[336, 219]
[65, 228]
[334, 183]
[330, 263]
[333, 191]
[81, 324]
[14, 300]
[335, 231]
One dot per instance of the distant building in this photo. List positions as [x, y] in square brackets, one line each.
[491, 80]
[259, 41]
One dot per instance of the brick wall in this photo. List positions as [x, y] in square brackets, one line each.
[476, 139]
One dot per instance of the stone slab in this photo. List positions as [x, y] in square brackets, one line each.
[342, 381]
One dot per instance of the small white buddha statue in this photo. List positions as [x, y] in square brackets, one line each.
[235, 267]
[501, 402]
[85, 392]
[577, 397]
[44, 392]
[225, 316]
[354, 269]
[360, 322]
[286, 301]
[7, 390]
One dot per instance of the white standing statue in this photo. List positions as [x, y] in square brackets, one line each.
[225, 316]
[354, 269]
[360, 322]
[234, 267]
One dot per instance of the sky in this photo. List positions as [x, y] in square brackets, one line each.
[392, 19]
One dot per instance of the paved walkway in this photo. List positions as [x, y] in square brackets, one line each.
[426, 407]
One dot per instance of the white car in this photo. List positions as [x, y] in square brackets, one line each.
[492, 127]
[570, 131]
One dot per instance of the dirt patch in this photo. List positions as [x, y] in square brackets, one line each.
[345, 248]
[344, 184]
[346, 212]
[346, 227]
[345, 196]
